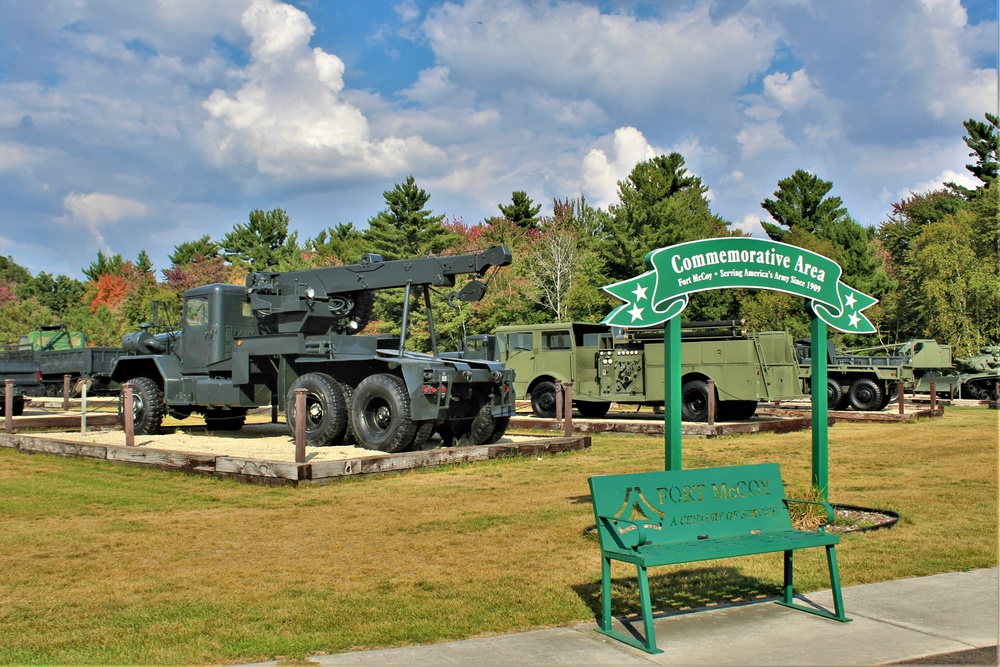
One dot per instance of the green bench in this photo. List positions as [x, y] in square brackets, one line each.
[683, 516]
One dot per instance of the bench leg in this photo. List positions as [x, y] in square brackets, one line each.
[838, 598]
[647, 611]
[788, 597]
[606, 594]
[605, 626]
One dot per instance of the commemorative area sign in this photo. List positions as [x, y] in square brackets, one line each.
[661, 293]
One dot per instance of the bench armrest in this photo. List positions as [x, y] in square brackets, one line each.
[830, 514]
[627, 533]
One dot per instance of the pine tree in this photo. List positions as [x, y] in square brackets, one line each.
[264, 243]
[406, 228]
[521, 211]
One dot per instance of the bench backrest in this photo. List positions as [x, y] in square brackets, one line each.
[686, 505]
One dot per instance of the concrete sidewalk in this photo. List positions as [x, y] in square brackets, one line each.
[939, 619]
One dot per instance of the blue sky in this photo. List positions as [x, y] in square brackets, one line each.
[138, 125]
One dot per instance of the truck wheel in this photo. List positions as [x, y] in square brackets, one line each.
[17, 407]
[736, 411]
[147, 406]
[865, 395]
[480, 429]
[694, 401]
[225, 420]
[834, 394]
[543, 400]
[326, 412]
[380, 414]
[592, 409]
[498, 430]
[424, 431]
[348, 440]
[364, 305]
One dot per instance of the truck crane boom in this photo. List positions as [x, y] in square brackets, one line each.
[338, 298]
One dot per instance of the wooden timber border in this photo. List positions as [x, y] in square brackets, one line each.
[653, 425]
[889, 415]
[269, 472]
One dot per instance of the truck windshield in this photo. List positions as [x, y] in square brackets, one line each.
[196, 311]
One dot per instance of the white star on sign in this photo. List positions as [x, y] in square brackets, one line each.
[640, 293]
[850, 300]
[636, 312]
[854, 319]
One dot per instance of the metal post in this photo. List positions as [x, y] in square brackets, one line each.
[820, 425]
[8, 406]
[83, 407]
[128, 411]
[672, 432]
[568, 402]
[711, 402]
[899, 395]
[933, 396]
[300, 425]
[559, 400]
[65, 393]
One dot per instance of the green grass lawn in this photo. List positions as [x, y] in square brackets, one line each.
[112, 564]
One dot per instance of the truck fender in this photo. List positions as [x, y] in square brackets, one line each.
[161, 368]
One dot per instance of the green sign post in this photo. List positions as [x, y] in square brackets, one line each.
[660, 294]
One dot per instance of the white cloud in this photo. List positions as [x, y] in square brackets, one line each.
[937, 183]
[289, 118]
[97, 209]
[622, 62]
[601, 171]
[790, 92]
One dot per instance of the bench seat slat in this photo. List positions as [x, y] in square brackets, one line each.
[669, 553]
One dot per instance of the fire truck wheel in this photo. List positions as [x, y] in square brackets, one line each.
[543, 400]
[694, 401]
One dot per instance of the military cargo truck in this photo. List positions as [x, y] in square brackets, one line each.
[866, 382]
[60, 352]
[609, 365]
[244, 347]
[20, 366]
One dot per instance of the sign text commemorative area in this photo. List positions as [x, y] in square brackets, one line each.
[661, 293]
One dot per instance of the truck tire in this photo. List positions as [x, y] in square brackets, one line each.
[834, 394]
[326, 412]
[694, 401]
[16, 408]
[364, 305]
[480, 429]
[499, 430]
[736, 411]
[147, 406]
[592, 409]
[865, 395]
[543, 400]
[424, 431]
[225, 420]
[348, 440]
[380, 414]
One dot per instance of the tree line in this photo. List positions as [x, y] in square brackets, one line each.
[934, 263]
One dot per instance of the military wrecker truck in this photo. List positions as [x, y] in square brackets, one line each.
[245, 347]
[610, 365]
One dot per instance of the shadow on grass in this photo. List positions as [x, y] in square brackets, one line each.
[679, 592]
